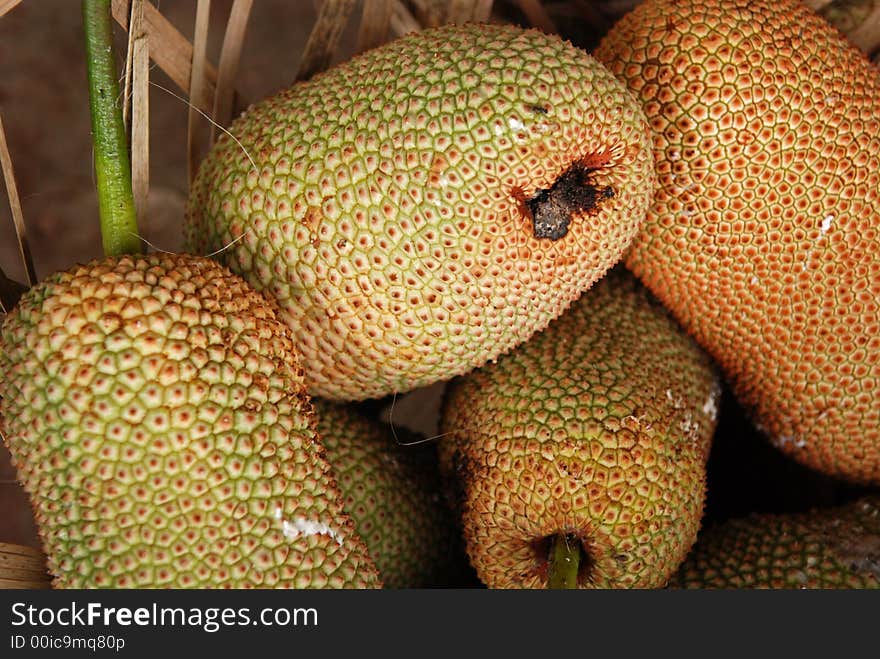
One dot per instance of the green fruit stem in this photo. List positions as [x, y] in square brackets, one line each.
[119, 231]
[565, 561]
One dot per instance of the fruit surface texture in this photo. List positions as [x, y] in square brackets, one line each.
[428, 205]
[832, 548]
[764, 235]
[157, 417]
[393, 494]
[597, 429]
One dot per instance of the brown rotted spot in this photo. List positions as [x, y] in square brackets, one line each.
[574, 192]
[859, 550]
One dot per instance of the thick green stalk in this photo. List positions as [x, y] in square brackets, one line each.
[565, 561]
[119, 230]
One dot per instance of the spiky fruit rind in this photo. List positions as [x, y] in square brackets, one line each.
[597, 428]
[764, 236]
[158, 419]
[831, 548]
[393, 496]
[384, 204]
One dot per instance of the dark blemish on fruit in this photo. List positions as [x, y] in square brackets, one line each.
[859, 550]
[573, 192]
[538, 109]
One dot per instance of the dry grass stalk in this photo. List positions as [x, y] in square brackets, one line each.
[431, 13]
[170, 50]
[22, 567]
[402, 21]
[464, 11]
[7, 5]
[140, 123]
[230, 55]
[15, 206]
[375, 23]
[197, 95]
[135, 21]
[324, 38]
[537, 16]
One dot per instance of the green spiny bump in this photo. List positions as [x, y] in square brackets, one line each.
[410, 210]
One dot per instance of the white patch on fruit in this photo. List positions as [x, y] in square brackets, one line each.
[826, 224]
[710, 407]
[785, 440]
[300, 526]
[515, 124]
[688, 425]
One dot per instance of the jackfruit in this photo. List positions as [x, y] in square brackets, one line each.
[429, 204]
[825, 548]
[393, 494]
[590, 437]
[764, 235]
[157, 417]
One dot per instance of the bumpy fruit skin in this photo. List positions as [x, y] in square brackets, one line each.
[393, 494]
[831, 548]
[387, 205]
[599, 428]
[764, 235]
[157, 417]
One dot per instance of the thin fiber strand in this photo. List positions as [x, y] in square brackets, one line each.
[170, 50]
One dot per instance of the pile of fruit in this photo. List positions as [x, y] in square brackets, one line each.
[598, 254]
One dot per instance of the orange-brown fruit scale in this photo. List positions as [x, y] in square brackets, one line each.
[825, 548]
[157, 417]
[426, 206]
[764, 235]
[595, 432]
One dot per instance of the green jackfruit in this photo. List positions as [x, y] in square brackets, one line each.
[429, 204]
[826, 548]
[393, 494]
[588, 441]
[157, 417]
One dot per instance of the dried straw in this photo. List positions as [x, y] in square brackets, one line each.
[7, 5]
[22, 567]
[15, 206]
[375, 23]
[197, 95]
[537, 15]
[402, 21]
[170, 50]
[139, 57]
[230, 55]
[324, 39]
